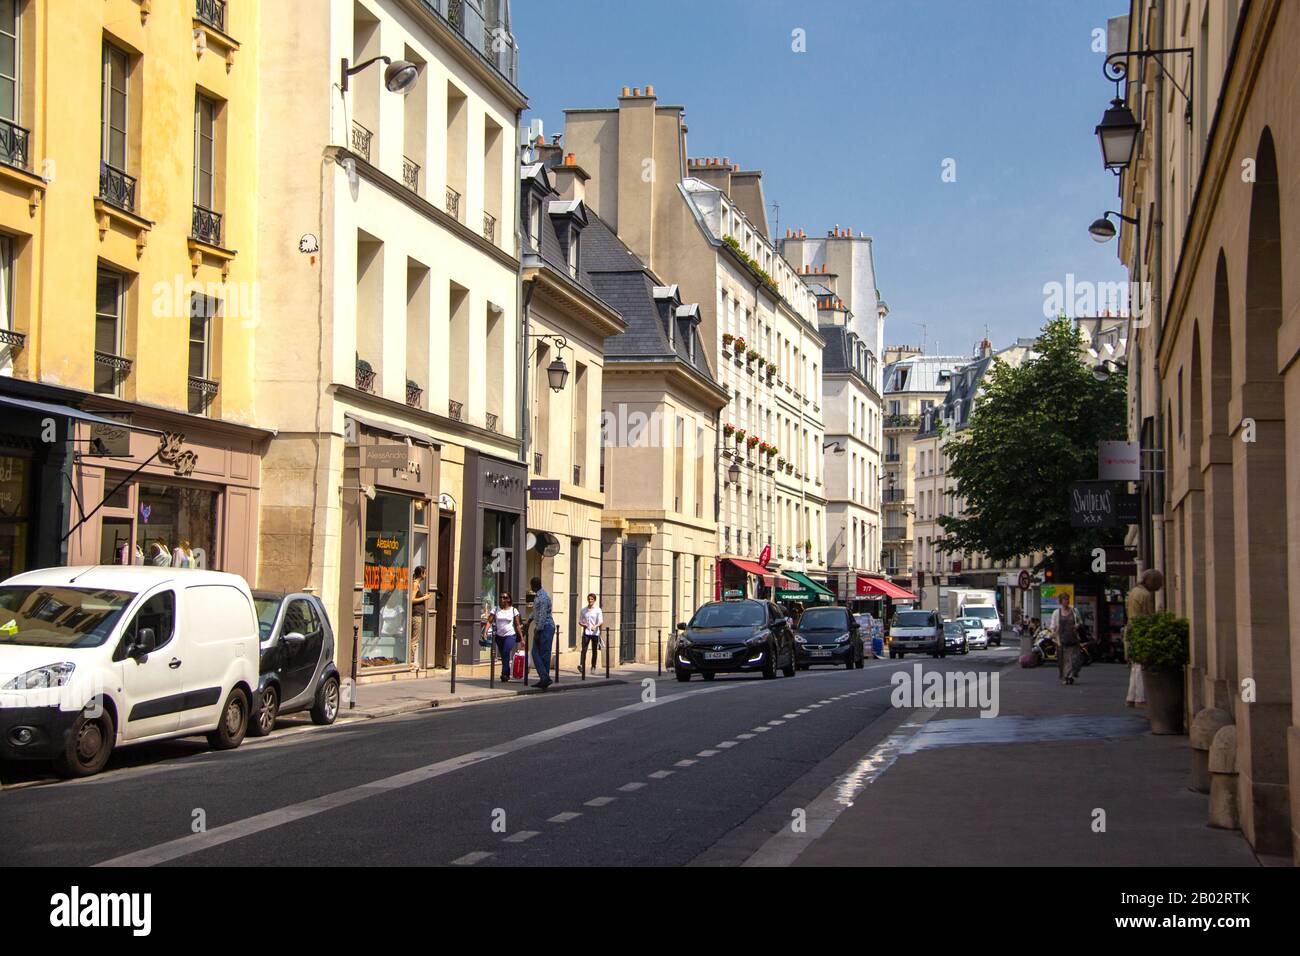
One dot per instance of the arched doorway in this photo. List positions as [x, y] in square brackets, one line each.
[1259, 466]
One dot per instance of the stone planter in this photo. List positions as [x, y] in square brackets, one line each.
[1164, 689]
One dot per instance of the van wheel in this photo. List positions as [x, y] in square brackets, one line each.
[88, 747]
[264, 722]
[234, 722]
[326, 708]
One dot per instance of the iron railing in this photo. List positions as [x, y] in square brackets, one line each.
[492, 421]
[12, 338]
[453, 204]
[201, 393]
[411, 174]
[537, 462]
[456, 410]
[13, 144]
[893, 496]
[116, 187]
[206, 225]
[365, 376]
[413, 393]
[893, 534]
[491, 40]
[361, 140]
[110, 371]
[892, 457]
[901, 421]
[489, 227]
[211, 12]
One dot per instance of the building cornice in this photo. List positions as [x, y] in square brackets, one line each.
[459, 47]
[427, 419]
[590, 310]
[713, 396]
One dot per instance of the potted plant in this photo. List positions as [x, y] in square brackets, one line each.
[740, 345]
[751, 355]
[740, 435]
[751, 441]
[728, 430]
[727, 339]
[1159, 643]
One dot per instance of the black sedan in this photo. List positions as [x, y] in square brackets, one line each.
[954, 637]
[734, 636]
[828, 635]
[297, 660]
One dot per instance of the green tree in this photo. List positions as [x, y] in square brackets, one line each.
[1034, 431]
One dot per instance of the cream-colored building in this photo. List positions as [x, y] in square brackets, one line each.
[703, 223]
[1214, 368]
[567, 322]
[389, 360]
[914, 384]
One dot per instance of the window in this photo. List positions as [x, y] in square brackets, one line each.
[6, 281]
[535, 221]
[108, 330]
[205, 139]
[157, 614]
[10, 99]
[202, 311]
[574, 242]
[113, 118]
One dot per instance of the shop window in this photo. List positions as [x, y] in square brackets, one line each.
[498, 556]
[385, 604]
[15, 482]
[174, 527]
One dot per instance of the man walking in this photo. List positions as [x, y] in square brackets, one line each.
[1141, 602]
[543, 624]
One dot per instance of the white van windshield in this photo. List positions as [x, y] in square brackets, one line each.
[984, 612]
[43, 616]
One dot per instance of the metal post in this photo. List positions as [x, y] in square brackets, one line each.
[352, 697]
[556, 678]
[492, 663]
[528, 658]
[659, 650]
[606, 653]
[454, 655]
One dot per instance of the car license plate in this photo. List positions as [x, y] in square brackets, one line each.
[820, 653]
[717, 655]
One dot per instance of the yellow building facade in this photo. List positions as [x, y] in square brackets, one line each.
[130, 302]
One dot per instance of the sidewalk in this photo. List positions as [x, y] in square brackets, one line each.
[1030, 787]
[386, 698]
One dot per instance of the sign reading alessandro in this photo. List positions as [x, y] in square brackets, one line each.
[1092, 504]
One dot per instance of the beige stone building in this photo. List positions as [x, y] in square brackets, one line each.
[390, 287]
[702, 222]
[1214, 370]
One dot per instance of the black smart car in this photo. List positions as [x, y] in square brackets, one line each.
[297, 660]
[828, 635]
[734, 636]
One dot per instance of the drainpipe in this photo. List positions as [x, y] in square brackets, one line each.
[1157, 307]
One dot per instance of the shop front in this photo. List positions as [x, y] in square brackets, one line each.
[390, 514]
[492, 546]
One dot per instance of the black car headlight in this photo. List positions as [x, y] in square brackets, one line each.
[757, 640]
[843, 639]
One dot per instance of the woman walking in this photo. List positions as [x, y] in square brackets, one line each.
[1065, 625]
[419, 600]
[505, 632]
[591, 619]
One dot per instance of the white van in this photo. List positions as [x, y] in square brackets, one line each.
[93, 658]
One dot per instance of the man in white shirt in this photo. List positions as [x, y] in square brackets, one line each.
[591, 620]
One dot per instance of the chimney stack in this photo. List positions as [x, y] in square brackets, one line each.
[570, 178]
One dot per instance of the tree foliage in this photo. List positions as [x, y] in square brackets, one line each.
[1034, 431]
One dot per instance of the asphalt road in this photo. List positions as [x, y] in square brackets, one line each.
[679, 774]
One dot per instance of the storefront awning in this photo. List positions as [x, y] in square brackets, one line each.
[750, 567]
[808, 590]
[884, 587]
[67, 411]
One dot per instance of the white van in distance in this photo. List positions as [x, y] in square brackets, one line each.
[93, 658]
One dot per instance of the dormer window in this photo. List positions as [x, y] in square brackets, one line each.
[569, 217]
[535, 221]
[574, 250]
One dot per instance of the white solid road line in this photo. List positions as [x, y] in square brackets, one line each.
[195, 842]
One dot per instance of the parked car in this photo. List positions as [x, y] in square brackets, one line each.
[96, 658]
[735, 636]
[297, 660]
[828, 635]
[976, 636]
[916, 631]
[954, 637]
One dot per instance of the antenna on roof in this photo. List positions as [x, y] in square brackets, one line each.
[776, 221]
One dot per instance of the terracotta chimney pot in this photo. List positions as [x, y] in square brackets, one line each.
[649, 90]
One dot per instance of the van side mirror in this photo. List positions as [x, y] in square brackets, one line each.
[145, 643]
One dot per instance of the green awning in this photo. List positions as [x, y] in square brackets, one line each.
[809, 593]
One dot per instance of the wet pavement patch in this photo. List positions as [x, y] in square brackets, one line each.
[1014, 729]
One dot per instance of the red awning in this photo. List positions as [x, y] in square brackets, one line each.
[749, 567]
[868, 585]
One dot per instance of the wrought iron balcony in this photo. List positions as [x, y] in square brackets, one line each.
[489, 227]
[13, 144]
[493, 42]
[492, 421]
[361, 140]
[206, 226]
[577, 474]
[894, 496]
[201, 392]
[893, 534]
[453, 204]
[116, 187]
[456, 410]
[413, 393]
[892, 457]
[411, 174]
[365, 376]
[211, 12]
[12, 338]
[537, 463]
[901, 422]
[110, 370]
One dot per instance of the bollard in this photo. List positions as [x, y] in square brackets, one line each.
[607, 653]
[1223, 779]
[454, 655]
[659, 650]
[492, 664]
[555, 679]
[1204, 726]
[352, 695]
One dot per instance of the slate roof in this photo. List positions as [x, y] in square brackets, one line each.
[923, 372]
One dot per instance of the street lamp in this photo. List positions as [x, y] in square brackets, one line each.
[1103, 230]
[400, 76]
[733, 472]
[1117, 133]
[838, 448]
[1104, 370]
[557, 373]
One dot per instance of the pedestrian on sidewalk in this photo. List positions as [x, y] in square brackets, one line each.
[1065, 625]
[504, 622]
[1141, 602]
[591, 619]
[543, 624]
[419, 598]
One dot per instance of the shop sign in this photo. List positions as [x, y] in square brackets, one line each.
[544, 489]
[172, 451]
[1092, 504]
[111, 441]
[397, 457]
[1118, 461]
[1121, 561]
[502, 481]
[1127, 507]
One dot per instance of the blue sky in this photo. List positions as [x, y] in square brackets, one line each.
[856, 129]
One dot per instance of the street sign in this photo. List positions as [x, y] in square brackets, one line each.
[1025, 580]
[1118, 461]
[544, 489]
[386, 456]
[1092, 504]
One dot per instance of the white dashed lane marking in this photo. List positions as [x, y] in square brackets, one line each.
[660, 774]
[521, 836]
[599, 801]
[685, 763]
[564, 817]
[630, 787]
[727, 744]
[744, 736]
[469, 859]
[706, 753]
